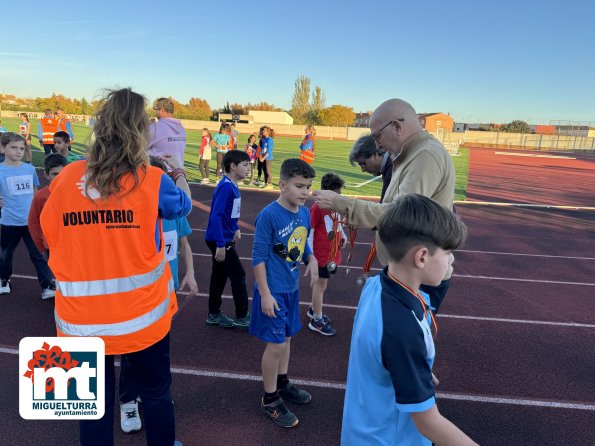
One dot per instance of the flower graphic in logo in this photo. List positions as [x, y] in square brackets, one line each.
[48, 357]
[90, 192]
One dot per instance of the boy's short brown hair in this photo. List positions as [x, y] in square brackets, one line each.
[331, 181]
[295, 167]
[417, 220]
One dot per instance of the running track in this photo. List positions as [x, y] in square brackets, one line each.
[515, 344]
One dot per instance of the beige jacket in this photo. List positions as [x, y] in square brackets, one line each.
[424, 167]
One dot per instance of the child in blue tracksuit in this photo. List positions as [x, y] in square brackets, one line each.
[389, 397]
[221, 236]
[279, 246]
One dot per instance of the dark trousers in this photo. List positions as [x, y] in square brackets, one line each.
[260, 165]
[48, 148]
[230, 268]
[149, 371]
[436, 293]
[10, 236]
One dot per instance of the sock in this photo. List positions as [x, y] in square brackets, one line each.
[317, 316]
[282, 381]
[270, 397]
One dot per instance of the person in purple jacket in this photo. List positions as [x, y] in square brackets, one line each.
[221, 236]
[168, 137]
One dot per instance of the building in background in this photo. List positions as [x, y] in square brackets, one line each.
[432, 122]
[265, 117]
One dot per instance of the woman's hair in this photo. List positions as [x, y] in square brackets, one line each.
[208, 132]
[271, 131]
[8, 137]
[310, 128]
[121, 140]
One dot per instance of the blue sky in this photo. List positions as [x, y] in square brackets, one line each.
[479, 61]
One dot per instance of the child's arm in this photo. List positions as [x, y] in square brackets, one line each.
[34, 223]
[186, 255]
[311, 263]
[268, 304]
[439, 430]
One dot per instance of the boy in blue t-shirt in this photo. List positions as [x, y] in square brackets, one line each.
[18, 183]
[279, 246]
[389, 397]
[221, 236]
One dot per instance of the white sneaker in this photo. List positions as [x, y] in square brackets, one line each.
[129, 417]
[48, 293]
[5, 287]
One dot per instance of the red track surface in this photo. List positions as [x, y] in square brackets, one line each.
[508, 356]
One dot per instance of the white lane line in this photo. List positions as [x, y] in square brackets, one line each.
[365, 182]
[548, 256]
[534, 155]
[440, 315]
[463, 276]
[341, 386]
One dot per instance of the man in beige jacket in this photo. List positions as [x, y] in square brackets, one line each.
[420, 165]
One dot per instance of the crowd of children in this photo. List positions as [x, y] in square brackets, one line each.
[390, 394]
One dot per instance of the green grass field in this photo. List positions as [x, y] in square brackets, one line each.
[331, 156]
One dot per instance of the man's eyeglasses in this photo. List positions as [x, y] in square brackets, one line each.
[378, 134]
[362, 163]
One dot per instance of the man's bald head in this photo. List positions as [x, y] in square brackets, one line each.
[406, 124]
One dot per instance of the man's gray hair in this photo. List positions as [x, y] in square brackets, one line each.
[164, 104]
[363, 148]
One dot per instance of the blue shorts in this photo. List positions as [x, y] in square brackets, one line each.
[276, 329]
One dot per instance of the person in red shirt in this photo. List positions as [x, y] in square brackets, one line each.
[53, 165]
[326, 240]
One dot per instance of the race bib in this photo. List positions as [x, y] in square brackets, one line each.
[20, 185]
[170, 238]
[235, 210]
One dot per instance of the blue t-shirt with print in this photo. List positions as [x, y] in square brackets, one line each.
[390, 367]
[17, 186]
[280, 242]
[173, 230]
[267, 145]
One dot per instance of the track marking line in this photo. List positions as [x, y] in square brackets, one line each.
[548, 256]
[341, 386]
[527, 205]
[534, 155]
[364, 183]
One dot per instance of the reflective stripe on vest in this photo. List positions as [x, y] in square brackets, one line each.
[118, 328]
[110, 286]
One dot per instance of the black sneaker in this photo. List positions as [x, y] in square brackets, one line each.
[325, 317]
[279, 413]
[291, 393]
[322, 327]
[220, 319]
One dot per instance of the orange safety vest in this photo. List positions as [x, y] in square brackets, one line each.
[49, 126]
[62, 127]
[111, 281]
[308, 155]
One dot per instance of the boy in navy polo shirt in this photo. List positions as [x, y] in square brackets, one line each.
[221, 236]
[389, 397]
[279, 246]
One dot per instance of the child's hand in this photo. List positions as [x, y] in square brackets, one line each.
[220, 254]
[172, 161]
[268, 305]
[237, 236]
[343, 242]
[312, 269]
[189, 281]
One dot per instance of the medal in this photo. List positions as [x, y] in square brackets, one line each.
[331, 266]
[361, 280]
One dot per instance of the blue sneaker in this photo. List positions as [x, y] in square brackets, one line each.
[322, 327]
[220, 319]
[242, 322]
[325, 317]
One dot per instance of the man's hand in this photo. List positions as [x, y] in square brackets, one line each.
[312, 269]
[268, 305]
[237, 236]
[172, 161]
[189, 281]
[220, 254]
[325, 198]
